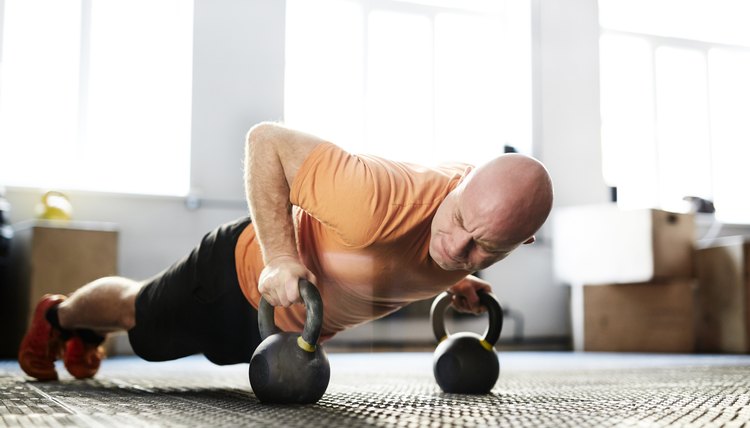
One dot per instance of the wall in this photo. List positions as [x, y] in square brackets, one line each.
[238, 81]
[567, 140]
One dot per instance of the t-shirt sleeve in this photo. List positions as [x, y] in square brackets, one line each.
[345, 192]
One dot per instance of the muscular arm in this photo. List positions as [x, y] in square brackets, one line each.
[273, 156]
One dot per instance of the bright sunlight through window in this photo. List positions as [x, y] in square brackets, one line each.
[675, 102]
[95, 95]
[419, 81]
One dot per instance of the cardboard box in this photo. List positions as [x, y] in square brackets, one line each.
[603, 244]
[643, 317]
[52, 257]
[723, 270]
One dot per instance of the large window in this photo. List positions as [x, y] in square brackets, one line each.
[96, 95]
[422, 81]
[675, 102]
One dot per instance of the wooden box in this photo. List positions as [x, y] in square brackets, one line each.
[641, 317]
[603, 244]
[52, 257]
[724, 300]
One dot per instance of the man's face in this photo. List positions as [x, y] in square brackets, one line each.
[465, 236]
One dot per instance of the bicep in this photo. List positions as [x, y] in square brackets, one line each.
[274, 143]
[294, 148]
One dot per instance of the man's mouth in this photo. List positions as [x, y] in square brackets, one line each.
[448, 260]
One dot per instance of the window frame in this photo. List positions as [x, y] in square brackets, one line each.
[655, 42]
[431, 9]
[81, 149]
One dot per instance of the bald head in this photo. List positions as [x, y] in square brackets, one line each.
[512, 193]
[496, 208]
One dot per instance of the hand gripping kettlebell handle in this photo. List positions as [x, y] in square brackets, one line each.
[313, 321]
[488, 300]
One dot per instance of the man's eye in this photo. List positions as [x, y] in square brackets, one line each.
[490, 252]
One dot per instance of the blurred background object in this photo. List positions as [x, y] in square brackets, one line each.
[55, 206]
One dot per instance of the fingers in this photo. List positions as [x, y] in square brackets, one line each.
[280, 291]
[465, 297]
[466, 304]
[279, 281]
[285, 295]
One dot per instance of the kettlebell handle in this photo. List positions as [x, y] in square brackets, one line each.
[51, 193]
[313, 321]
[488, 300]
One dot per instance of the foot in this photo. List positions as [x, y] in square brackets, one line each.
[82, 359]
[43, 344]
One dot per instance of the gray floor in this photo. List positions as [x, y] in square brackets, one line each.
[397, 389]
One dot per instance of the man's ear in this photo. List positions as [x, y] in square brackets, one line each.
[530, 240]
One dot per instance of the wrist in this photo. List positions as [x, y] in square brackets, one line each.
[277, 258]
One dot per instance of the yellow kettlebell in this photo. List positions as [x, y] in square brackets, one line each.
[55, 206]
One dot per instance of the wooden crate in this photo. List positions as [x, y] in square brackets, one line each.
[723, 270]
[52, 257]
[639, 317]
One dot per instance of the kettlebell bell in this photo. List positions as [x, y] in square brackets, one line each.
[289, 368]
[466, 363]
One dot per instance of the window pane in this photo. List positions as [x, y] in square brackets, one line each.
[474, 5]
[139, 96]
[399, 86]
[470, 119]
[85, 100]
[718, 21]
[627, 112]
[682, 130]
[324, 78]
[39, 91]
[517, 73]
[412, 82]
[730, 132]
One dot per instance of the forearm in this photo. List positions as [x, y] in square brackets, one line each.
[267, 192]
[273, 156]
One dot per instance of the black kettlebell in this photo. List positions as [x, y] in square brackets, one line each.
[466, 363]
[290, 368]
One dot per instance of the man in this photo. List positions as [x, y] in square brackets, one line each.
[372, 234]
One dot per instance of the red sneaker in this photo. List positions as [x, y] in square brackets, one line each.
[43, 344]
[82, 359]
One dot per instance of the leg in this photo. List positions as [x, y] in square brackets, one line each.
[75, 327]
[196, 306]
[104, 305]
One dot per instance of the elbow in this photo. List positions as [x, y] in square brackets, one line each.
[260, 134]
[259, 142]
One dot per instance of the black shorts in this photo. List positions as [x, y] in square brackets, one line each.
[196, 306]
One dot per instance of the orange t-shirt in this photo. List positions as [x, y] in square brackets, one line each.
[363, 229]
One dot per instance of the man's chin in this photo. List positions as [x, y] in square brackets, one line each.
[441, 264]
[444, 266]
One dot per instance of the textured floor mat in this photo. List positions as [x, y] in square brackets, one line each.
[535, 389]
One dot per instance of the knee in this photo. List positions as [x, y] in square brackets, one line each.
[127, 320]
[128, 298]
[147, 349]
